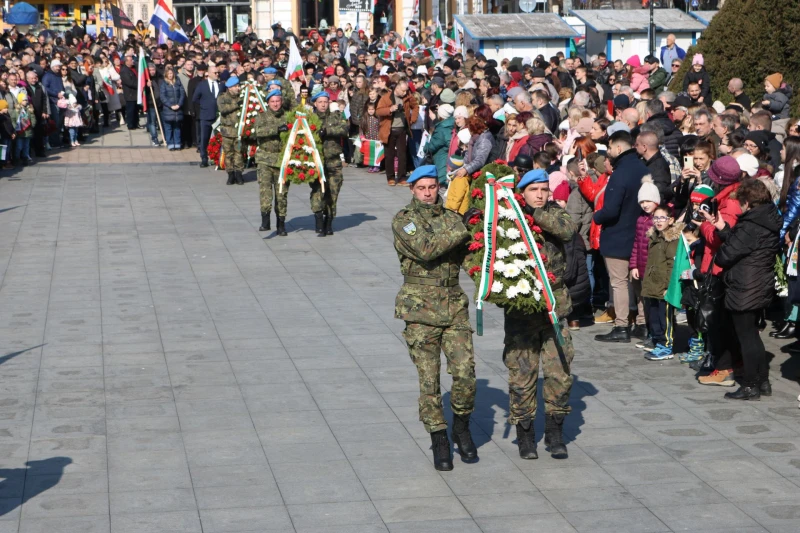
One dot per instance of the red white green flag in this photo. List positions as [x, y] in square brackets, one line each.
[388, 54]
[373, 152]
[141, 72]
[204, 29]
[438, 36]
[294, 67]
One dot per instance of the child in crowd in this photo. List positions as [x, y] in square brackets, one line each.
[7, 133]
[26, 121]
[561, 194]
[458, 190]
[72, 117]
[370, 127]
[663, 237]
[649, 199]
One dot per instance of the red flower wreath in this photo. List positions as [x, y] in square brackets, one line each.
[474, 270]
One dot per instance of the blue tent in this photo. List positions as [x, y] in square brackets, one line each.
[22, 13]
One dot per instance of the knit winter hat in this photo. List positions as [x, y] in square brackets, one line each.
[600, 164]
[700, 193]
[725, 171]
[445, 111]
[634, 61]
[748, 163]
[461, 111]
[447, 96]
[22, 97]
[775, 79]
[562, 192]
[464, 136]
[698, 59]
[557, 178]
[760, 138]
[648, 192]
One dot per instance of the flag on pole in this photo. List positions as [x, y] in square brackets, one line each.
[141, 72]
[204, 29]
[388, 54]
[294, 67]
[373, 152]
[438, 36]
[573, 49]
[681, 264]
[164, 20]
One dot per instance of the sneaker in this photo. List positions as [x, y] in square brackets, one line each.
[690, 357]
[646, 345]
[607, 317]
[155, 143]
[723, 378]
[659, 353]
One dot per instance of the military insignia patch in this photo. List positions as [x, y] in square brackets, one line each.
[410, 228]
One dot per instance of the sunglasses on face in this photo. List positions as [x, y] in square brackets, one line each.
[676, 66]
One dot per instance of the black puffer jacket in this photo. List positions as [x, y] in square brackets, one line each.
[672, 135]
[704, 81]
[747, 257]
[576, 278]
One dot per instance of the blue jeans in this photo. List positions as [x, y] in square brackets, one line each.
[22, 147]
[152, 123]
[73, 135]
[172, 133]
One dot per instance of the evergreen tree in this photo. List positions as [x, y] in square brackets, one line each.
[749, 39]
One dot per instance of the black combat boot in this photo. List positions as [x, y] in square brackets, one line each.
[239, 178]
[765, 388]
[789, 332]
[617, 334]
[441, 451]
[745, 393]
[231, 178]
[324, 230]
[553, 437]
[318, 223]
[526, 440]
[463, 439]
[329, 225]
[282, 227]
[264, 222]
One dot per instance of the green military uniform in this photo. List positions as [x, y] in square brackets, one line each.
[530, 339]
[287, 91]
[268, 158]
[335, 129]
[230, 107]
[431, 245]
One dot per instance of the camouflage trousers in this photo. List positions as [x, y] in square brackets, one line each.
[425, 344]
[268, 186]
[333, 184]
[233, 157]
[530, 339]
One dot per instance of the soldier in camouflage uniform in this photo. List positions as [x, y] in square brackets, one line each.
[269, 126]
[270, 75]
[333, 132]
[431, 245]
[530, 338]
[230, 106]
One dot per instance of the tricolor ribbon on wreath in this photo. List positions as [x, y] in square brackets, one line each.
[301, 127]
[493, 199]
[249, 89]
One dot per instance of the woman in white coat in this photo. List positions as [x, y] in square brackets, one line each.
[107, 80]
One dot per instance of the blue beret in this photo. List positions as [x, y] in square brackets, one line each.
[533, 176]
[270, 70]
[322, 94]
[275, 82]
[425, 171]
[274, 92]
[233, 80]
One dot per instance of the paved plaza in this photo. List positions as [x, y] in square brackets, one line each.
[165, 367]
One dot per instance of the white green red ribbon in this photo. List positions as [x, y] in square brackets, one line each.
[301, 126]
[490, 246]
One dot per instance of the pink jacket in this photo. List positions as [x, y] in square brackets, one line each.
[640, 243]
[639, 79]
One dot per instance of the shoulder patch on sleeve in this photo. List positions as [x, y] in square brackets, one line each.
[410, 228]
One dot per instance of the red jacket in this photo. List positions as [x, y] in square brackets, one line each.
[730, 210]
[594, 191]
[517, 144]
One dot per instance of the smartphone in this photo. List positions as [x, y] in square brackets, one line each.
[610, 107]
[688, 161]
[715, 207]
[579, 155]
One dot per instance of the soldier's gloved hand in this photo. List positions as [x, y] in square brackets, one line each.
[471, 212]
[282, 128]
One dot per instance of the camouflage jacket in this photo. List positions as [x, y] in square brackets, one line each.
[270, 147]
[431, 245]
[229, 112]
[557, 230]
[336, 130]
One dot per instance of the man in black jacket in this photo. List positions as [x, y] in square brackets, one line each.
[656, 114]
[193, 83]
[41, 110]
[647, 148]
[541, 100]
[130, 85]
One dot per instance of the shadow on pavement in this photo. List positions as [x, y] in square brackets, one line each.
[340, 223]
[18, 482]
[12, 355]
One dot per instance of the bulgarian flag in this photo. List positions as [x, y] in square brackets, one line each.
[452, 47]
[373, 152]
[294, 67]
[387, 54]
[142, 75]
[204, 29]
[438, 36]
[681, 264]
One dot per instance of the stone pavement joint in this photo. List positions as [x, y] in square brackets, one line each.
[165, 367]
